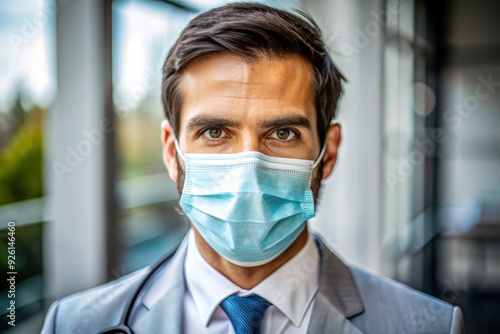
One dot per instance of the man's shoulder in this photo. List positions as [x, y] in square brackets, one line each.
[94, 308]
[101, 307]
[392, 307]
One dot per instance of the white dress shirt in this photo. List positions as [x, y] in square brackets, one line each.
[291, 290]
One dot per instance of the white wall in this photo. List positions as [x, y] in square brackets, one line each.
[349, 214]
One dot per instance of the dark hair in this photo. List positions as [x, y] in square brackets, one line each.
[253, 31]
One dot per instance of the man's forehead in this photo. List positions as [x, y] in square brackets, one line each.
[265, 70]
[227, 80]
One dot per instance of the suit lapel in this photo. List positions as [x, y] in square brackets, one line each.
[165, 316]
[163, 308]
[326, 318]
[338, 298]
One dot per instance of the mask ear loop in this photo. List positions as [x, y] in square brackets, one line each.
[178, 149]
[320, 157]
[323, 150]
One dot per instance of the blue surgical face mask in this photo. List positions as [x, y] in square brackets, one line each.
[249, 207]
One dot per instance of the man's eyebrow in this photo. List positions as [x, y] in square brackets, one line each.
[292, 120]
[211, 121]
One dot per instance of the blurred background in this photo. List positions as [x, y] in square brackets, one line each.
[415, 195]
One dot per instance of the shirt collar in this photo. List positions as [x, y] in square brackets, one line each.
[290, 288]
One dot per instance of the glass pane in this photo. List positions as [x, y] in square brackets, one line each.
[143, 32]
[27, 88]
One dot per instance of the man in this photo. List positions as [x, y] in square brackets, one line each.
[249, 93]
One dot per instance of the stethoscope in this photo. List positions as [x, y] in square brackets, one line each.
[123, 327]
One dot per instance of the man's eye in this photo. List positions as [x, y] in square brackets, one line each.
[284, 134]
[213, 133]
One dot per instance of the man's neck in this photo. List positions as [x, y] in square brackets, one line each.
[248, 277]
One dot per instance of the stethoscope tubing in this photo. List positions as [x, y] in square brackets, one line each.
[123, 327]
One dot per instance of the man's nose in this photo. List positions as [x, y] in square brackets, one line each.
[250, 142]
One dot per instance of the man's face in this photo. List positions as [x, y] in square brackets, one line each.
[231, 105]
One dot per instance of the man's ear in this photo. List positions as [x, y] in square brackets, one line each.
[169, 153]
[332, 142]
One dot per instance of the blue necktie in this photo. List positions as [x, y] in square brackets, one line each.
[245, 313]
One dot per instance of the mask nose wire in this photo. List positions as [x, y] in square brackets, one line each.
[316, 163]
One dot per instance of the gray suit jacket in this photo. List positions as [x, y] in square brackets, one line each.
[349, 300]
